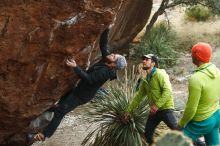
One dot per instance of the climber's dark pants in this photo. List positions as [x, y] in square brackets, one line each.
[167, 116]
[66, 104]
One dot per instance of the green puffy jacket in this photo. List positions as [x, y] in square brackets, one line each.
[204, 94]
[158, 91]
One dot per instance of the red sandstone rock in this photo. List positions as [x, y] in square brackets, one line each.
[130, 20]
[35, 38]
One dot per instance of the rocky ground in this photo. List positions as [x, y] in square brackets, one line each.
[74, 127]
[71, 131]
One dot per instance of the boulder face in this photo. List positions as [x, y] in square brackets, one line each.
[130, 20]
[35, 38]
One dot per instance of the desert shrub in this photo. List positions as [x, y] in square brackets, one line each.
[161, 41]
[198, 13]
[173, 138]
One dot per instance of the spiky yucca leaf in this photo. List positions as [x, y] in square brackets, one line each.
[107, 112]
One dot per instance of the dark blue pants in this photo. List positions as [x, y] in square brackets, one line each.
[167, 116]
[66, 104]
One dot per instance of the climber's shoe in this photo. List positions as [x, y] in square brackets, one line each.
[32, 138]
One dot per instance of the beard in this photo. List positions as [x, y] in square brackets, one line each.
[107, 60]
[145, 68]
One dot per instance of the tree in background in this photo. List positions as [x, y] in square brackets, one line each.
[214, 5]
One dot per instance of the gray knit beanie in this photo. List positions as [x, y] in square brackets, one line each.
[121, 62]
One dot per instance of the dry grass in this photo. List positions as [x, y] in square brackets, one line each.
[193, 32]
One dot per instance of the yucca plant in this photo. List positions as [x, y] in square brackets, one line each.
[107, 117]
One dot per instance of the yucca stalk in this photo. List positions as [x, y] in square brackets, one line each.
[107, 117]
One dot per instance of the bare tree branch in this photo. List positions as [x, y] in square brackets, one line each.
[159, 12]
[166, 5]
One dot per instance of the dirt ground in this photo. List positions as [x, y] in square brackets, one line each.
[74, 127]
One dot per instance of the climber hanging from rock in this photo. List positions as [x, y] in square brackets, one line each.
[90, 83]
